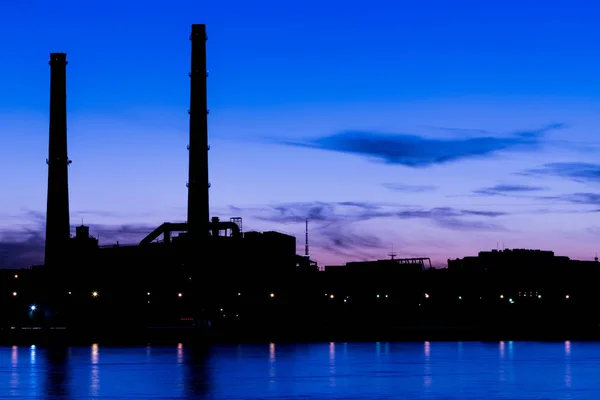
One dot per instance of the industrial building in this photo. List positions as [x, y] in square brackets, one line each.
[208, 272]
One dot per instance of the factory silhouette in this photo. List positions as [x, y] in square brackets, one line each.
[207, 278]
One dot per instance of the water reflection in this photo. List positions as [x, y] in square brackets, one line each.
[271, 363]
[34, 377]
[14, 373]
[57, 372]
[95, 373]
[180, 353]
[568, 374]
[196, 376]
[427, 373]
[502, 371]
[467, 370]
[331, 364]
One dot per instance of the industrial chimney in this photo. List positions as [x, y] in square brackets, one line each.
[57, 207]
[198, 195]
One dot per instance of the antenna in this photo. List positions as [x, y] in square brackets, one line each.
[306, 242]
[392, 254]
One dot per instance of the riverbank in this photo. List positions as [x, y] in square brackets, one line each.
[169, 335]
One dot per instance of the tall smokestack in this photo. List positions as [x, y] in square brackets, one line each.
[198, 196]
[57, 208]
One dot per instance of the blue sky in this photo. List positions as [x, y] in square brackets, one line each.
[438, 128]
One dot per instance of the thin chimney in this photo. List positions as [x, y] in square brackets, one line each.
[57, 207]
[198, 193]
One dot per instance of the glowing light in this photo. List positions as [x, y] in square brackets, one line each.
[33, 307]
[460, 297]
[331, 296]
[14, 294]
[239, 294]
[16, 276]
[94, 294]
[272, 295]
[69, 292]
[386, 296]
[377, 296]
[501, 296]
[345, 301]
[148, 293]
[426, 295]
[179, 294]
[539, 296]
[567, 297]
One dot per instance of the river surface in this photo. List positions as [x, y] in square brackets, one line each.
[382, 370]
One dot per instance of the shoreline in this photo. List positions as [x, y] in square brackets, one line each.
[195, 336]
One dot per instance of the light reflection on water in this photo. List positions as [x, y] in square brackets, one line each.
[426, 370]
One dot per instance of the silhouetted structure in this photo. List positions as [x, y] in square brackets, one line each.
[198, 185]
[207, 272]
[57, 210]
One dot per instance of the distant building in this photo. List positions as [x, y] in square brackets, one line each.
[520, 261]
[394, 265]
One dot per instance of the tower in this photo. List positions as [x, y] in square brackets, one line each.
[306, 241]
[198, 214]
[57, 206]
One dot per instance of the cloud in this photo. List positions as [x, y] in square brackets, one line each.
[576, 198]
[577, 171]
[417, 152]
[456, 130]
[324, 213]
[506, 190]
[23, 246]
[341, 240]
[399, 187]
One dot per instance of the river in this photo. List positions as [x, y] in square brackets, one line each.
[379, 370]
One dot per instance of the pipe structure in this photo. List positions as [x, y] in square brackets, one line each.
[215, 227]
[57, 207]
[198, 184]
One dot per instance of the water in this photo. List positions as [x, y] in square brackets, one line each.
[436, 370]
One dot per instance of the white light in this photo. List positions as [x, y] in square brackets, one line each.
[386, 296]
[331, 296]
[16, 276]
[14, 293]
[33, 307]
[221, 310]
[377, 296]
[239, 294]
[69, 292]
[272, 295]
[426, 295]
[539, 296]
[179, 294]
[94, 294]
[501, 296]
[567, 297]
[345, 301]
[460, 297]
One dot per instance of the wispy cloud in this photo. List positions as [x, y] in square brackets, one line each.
[576, 171]
[23, 246]
[323, 212]
[576, 198]
[417, 151]
[399, 187]
[507, 190]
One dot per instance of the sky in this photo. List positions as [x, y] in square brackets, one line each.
[428, 128]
